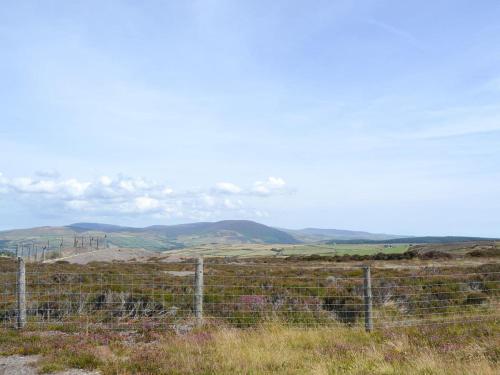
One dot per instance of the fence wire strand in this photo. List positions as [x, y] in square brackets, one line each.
[251, 294]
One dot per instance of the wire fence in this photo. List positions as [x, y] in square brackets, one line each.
[183, 294]
[53, 247]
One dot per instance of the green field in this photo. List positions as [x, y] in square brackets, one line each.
[251, 250]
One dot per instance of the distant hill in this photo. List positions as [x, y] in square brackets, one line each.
[108, 228]
[318, 234]
[415, 240]
[241, 230]
[247, 231]
[170, 237]
[158, 237]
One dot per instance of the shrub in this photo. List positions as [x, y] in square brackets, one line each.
[484, 253]
[346, 308]
[475, 298]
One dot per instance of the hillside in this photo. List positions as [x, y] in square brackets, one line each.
[171, 237]
[319, 234]
[227, 231]
[157, 237]
[416, 240]
[216, 234]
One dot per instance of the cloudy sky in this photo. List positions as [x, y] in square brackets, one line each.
[374, 115]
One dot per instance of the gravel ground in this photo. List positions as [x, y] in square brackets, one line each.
[19, 365]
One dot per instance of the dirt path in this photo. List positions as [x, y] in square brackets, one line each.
[20, 365]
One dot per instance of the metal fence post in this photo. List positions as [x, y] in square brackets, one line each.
[198, 297]
[367, 292]
[21, 293]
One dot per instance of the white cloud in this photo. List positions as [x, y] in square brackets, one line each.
[227, 187]
[260, 213]
[77, 205]
[167, 191]
[144, 204]
[124, 195]
[74, 187]
[27, 185]
[209, 200]
[106, 181]
[232, 204]
[270, 186]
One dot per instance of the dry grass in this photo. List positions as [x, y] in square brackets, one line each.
[273, 349]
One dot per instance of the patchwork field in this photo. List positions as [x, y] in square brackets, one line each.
[266, 250]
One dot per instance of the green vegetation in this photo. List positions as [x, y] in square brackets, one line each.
[226, 238]
[273, 349]
[156, 238]
[252, 250]
[417, 240]
[246, 292]
[149, 308]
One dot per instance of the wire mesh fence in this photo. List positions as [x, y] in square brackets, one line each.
[44, 248]
[173, 295]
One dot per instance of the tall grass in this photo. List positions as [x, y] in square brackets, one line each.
[270, 349]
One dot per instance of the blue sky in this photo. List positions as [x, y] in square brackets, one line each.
[374, 115]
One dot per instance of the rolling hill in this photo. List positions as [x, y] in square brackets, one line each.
[245, 230]
[157, 237]
[226, 232]
[415, 240]
[319, 234]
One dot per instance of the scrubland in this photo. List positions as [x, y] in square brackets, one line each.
[268, 349]
[262, 316]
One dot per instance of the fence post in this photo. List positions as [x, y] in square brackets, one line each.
[198, 297]
[367, 292]
[21, 293]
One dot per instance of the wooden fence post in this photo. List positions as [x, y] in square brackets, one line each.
[21, 293]
[367, 291]
[198, 297]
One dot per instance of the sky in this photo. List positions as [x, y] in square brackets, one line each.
[366, 115]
